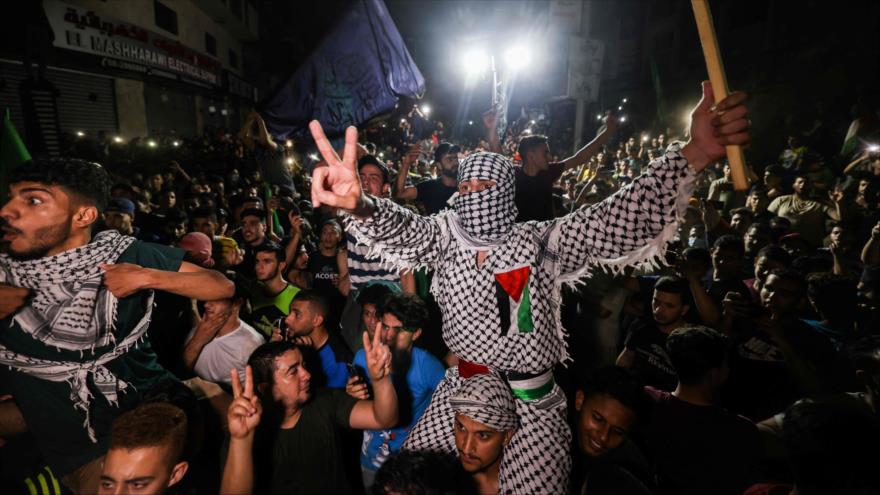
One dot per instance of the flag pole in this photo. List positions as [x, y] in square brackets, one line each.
[715, 67]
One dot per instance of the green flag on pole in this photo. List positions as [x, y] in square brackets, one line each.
[275, 224]
[658, 91]
[12, 153]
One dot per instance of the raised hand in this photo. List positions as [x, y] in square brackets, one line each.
[490, 120]
[336, 184]
[245, 411]
[412, 154]
[378, 355]
[714, 126]
[296, 222]
[611, 121]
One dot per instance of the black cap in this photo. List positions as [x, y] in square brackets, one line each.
[444, 149]
[372, 160]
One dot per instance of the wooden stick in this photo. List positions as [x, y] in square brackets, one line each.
[715, 67]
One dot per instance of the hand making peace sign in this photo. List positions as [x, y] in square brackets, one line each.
[378, 355]
[245, 411]
[337, 184]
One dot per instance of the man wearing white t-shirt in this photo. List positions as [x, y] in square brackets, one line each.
[220, 341]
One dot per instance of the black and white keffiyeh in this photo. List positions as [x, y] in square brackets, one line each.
[482, 220]
[72, 310]
[527, 265]
[486, 399]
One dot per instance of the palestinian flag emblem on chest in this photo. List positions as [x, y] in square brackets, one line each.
[514, 302]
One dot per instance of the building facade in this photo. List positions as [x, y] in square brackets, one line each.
[131, 68]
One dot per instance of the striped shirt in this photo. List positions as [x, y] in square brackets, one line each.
[363, 270]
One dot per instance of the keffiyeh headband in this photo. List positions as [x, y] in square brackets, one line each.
[486, 399]
[483, 219]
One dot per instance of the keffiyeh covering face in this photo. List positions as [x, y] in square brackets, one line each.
[486, 399]
[483, 219]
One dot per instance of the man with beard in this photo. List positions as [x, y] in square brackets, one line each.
[485, 421]
[433, 194]
[253, 235]
[75, 311]
[415, 373]
[497, 282]
[307, 326]
[271, 296]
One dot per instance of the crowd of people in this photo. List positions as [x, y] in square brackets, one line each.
[420, 315]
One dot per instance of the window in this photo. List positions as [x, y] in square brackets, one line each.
[210, 44]
[233, 59]
[165, 17]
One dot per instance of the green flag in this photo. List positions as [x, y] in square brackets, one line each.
[275, 221]
[658, 91]
[12, 153]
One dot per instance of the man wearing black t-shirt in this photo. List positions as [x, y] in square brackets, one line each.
[699, 447]
[535, 179]
[253, 235]
[645, 351]
[433, 194]
[302, 429]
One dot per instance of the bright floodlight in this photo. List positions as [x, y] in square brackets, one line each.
[117, 139]
[644, 137]
[623, 119]
[426, 109]
[598, 116]
[289, 161]
[80, 134]
[873, 148]
[152, 143]
[175, 144]
[470, 122]
[624, 100]
[313, 157]
[288, 144]
[517, 57]
[475, 62]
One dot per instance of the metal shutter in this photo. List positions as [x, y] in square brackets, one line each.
[86, 102]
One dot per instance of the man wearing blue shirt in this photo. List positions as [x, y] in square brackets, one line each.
[415, 374]
[307, 326]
